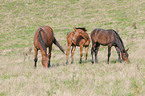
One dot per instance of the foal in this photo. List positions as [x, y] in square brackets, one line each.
[78, 37]
[43, 39]
[107, 38]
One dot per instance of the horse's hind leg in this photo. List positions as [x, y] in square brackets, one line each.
[49, 55]
[118, 52]
[86, 52]
[35, 58]
[96, 52]
[109, 53]
[92, 53]
[72, 53]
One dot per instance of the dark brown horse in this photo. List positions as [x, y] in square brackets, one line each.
[78, 37]
[107, 38]
[43, 39]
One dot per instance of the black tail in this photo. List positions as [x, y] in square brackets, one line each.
[41, 41]
[58, 45]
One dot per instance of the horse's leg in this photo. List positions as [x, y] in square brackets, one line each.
[81, 53]
[92, 53]
[96, 52]
[118, 52]
[35, 58]
[67, 53]
[109, 53]
[49, 55]
[86, 52]
[72, 53]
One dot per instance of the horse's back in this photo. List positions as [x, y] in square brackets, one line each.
[47, 35]
[102, 36]
[95, 34]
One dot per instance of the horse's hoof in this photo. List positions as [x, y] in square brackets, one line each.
[66, 62]
[49, 66]
[92, 62]
[72, 62]
[120, 61]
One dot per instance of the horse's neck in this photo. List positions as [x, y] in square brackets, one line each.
[120, 44]
[43, 51]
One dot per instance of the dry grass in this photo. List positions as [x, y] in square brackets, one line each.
[19, 19]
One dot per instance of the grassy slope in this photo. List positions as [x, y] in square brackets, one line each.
[19, 19]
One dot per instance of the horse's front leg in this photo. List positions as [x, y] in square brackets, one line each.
[86, 52]
[118, 52]
[81, 44]
[81, 53]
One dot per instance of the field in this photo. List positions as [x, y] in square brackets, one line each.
[19, 20]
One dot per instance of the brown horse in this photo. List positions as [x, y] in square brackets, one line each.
[78, 37]
[43, 39]
[109, 38]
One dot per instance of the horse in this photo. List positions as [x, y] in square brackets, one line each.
[80, 38]
[43, 39]
[107, 38]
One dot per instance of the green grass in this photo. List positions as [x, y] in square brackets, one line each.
[19, 20]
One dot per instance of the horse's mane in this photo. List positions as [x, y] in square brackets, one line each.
[82, 28]
[118, 37]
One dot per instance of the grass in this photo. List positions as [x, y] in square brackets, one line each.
[19, 20]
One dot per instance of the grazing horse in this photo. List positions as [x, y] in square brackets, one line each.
[78, 37]
[43, 39]
[107, 38]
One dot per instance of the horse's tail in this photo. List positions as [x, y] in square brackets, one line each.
[41, 41]
[58, 45]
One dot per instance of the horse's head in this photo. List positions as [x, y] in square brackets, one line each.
[77, 32]
[45, 61]
[124, 55]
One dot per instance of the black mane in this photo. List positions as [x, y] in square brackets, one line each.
[118, 37]
[82, 28]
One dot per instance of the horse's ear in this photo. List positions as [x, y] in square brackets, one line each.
[85, 29]
[127, 49]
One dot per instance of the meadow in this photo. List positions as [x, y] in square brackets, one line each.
[19, 20]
